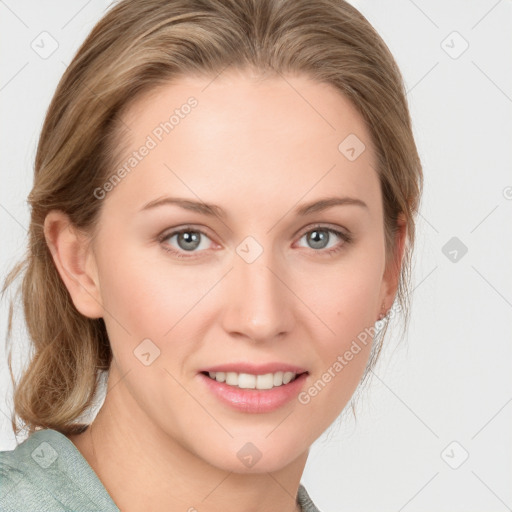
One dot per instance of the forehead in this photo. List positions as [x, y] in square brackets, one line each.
[238, 135]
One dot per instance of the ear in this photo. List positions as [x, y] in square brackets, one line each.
[75, 263]
[392, 273]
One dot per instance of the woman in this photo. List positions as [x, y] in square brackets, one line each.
[223, 207]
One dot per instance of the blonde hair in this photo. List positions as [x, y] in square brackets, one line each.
[137, 46]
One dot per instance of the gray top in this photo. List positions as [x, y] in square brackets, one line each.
[47, 473]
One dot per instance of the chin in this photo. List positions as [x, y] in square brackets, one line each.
[245, 457]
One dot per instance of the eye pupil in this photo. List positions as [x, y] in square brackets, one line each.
[188, 240]
[319, 238]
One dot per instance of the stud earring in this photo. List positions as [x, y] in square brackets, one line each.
[382, 314]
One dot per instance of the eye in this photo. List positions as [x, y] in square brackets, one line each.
[187, 239]
[320, 237]
[191, 240]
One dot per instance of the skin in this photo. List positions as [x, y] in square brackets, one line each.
[259, 150]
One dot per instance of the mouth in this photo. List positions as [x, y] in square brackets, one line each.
[255, 393]
[249, 381]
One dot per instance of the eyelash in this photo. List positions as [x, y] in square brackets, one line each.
[347, 239]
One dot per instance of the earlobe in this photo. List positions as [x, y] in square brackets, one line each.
[75, 263]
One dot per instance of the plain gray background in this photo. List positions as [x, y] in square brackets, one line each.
[433, 430]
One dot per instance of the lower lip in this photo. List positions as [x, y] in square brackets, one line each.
[255, 400]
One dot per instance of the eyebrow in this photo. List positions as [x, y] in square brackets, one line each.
[214, 210]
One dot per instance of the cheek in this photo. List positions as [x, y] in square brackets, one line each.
[154, 299]
[345, 297]
[345, 301]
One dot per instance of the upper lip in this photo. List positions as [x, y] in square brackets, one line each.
[255, 369]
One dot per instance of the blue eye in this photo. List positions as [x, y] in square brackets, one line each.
[188, 239]
[320, 236]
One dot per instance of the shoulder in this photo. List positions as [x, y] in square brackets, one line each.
[47, 473]
[22, 473]
[305, 502]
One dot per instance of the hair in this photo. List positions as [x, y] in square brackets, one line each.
[136, 47]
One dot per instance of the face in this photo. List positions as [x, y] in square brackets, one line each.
[275, 270]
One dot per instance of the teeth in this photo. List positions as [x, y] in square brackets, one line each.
[249, 381]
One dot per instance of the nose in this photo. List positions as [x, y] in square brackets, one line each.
[258, 305]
